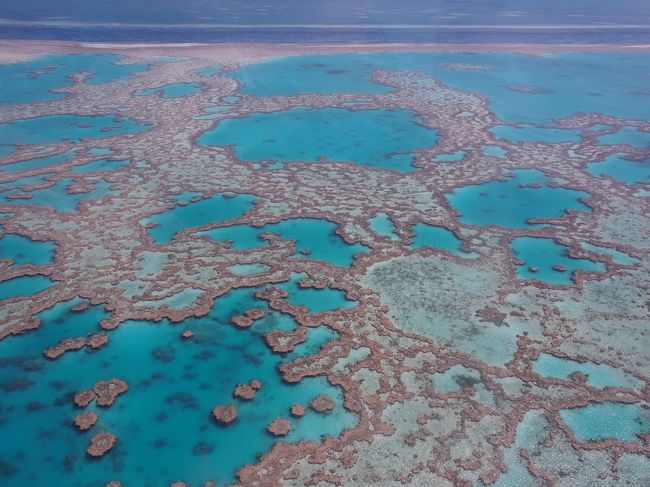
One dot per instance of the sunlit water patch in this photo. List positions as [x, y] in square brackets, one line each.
[513, 202]
[532, 133]
[38, 79]
[608, 420]
[383, 225]
[52, 129]
[598, 375]
[546, 260]
[248, 269]
[219, 207]
[314, 239]
[616, 166]
[163, 422]
[172, 90]
[437, 237]
[381, 139]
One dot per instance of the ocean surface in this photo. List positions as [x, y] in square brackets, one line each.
[335, 21]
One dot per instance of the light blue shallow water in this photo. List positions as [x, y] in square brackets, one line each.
[208, 71]
[163, 421]
[316, 236]
[24, 250]
[532, 133]
[248, 269]
[557, 81]
[5, 150]
[383, 226]
[38, 163]
[381, 139]
[451, 157]
[598, 375]
[602, 421]
[54, 71]
[616, 166]
[49, 129]
[172, 90]
[315, 300]
[494, 151]
[24, 286]
[511, 204]
[58, 197]
[217, 208]
[544, 253]
[438, 237]
[631, 136]
[101, 166]
[617, 256]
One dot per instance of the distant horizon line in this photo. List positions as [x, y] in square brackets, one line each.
[64, 23]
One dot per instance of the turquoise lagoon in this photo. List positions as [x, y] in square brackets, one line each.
[163, 421]
[57, 196]
[314, 299]
[381, 139]
[52, 129]
[617, 256]
[544, 253]
[217, 208]
[437, 237]
[38, 162]
[631, 136]
[316, 236]
[616, 166]
[35, 80]
[556, 83]
[598, 375]
[23, 250]
[608, 420]
[512, 203]
[24, 286]
[172, 90]
[383, 225]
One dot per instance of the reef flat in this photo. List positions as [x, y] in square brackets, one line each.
[324, 265]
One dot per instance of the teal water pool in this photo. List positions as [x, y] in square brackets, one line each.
[381, 139]
[526, 194]
[314, 239]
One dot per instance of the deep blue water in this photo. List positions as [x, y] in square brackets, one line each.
[367, 21]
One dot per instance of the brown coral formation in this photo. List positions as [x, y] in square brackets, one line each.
[187, 334]
[322, 404]
[101, 443]
[107, 391]
[85, 420]
[297, 410]
[245, 391]
[83, 398]
[225, 414]
[69, 344]
[279, 427]
[242, 321]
